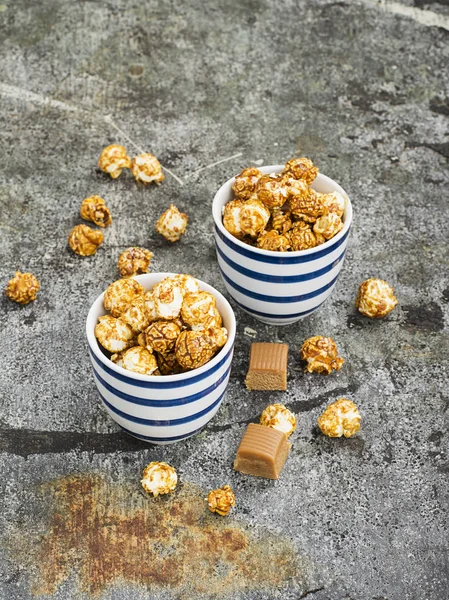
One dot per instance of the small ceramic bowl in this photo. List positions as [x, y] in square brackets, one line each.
[279, 288]
[162, 409]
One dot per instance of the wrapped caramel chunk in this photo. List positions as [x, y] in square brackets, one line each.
[321, 355]
[133, 261]
[114, 334]
[121, 294]
[262, 452]
[113, 159]
[301, 168]
[194, 349]
[245, 183]
[221, 500]
[254, 217]
[22, 288]
[94, 209]
[85, 241]
[340, 418]
[375, 298]
[147, 169]
[172, 224]
[159, 478]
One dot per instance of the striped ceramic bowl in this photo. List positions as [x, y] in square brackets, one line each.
[162, 410]
[279, 287]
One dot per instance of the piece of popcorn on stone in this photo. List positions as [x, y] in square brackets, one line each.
[172, 224]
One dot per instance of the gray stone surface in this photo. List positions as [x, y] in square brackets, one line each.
[362, 91]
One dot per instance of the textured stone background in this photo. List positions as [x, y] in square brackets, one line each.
[363, 91]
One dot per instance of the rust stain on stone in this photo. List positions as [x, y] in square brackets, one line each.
[108, 532]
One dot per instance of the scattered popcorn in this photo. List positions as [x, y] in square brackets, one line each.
[254, 217]
[159, 478]
[94, 209]
[113, 159]
[279, 417]
[172, 224]
[22, 288]
[221, 500]
[121, 294]
[231, 217]
[194, 349]
[147, 169]
[334, 202]
[162, 335]
[245, 183]
[139, 360]
[197, 307]
[273, 240]
[281, 221]
[301, 168]
[113, 334]
[168, 365]
[168, 297]
[85, 241]
[375, 298]
[301, 237]
[271, 191]
[136, 315]
[321, 355]
[340, 418]
[328, 226]
[133, 261]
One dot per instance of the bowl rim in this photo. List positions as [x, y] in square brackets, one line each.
[94, 346]
[266, 169]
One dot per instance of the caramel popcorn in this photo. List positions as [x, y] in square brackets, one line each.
[168, 365]
[307, 208]
[159, 478]
[334, 202]
[301, 168]
[189, 284]
[197, 307]
[121, 294]
[168, 297]
[279, 417]
[273, 240]
[218, 336]
[114, 334]
[281, 221]
[94, 209]
[245, 183]
[212, 321]
[321, 355]
[136, 315]
[133, 261]
[271, 191]
[22, 288]
[150, 306]
[254, 217]
[375, 298]
[328, 225]
[138, 360]
[231, 217]
[162, 335]
[113, 159]
[172, 224]
[85, 241]
[340, 418]
[194, 349]
[147, 169]
[302, 237]
[221, 500]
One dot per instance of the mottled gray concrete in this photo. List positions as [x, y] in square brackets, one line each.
[365, 94]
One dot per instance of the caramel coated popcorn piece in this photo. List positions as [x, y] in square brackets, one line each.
[159, 478]
[196, 308]
[94, 209]
[334, 202]
[147, 169]
[271, 190]
[113, 159]
[162, 335]
[212, 320]
[168, 297]
[328, 226]
[168, 365]
[114, 334]
[375, 298]
[301, 168]
[85, 241]
[231, 217]
[245, 183]
[279, 417]
[340, 418]
[218, 336]
[254, 217]
[189, 284]
[150, 306]
[22, 288]
[121, 294]
[139, 360]
[281, 221]
[172, 224]
[221, 500]
[273, 240]
[321, 355]
[307, 207]
[133, 261]
[136, 315]
[302, 237]
[193, 349]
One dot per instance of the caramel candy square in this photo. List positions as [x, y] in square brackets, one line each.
[267, 367]
[262, 452]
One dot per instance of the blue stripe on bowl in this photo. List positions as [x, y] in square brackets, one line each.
[162, 403]
[148, 438]
[278, 278]
[162, 423]
[158, 385]
[283, 259]
[277, 316]
[277, 299]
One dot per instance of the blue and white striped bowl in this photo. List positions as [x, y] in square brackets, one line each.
[279, 288]
[162, 409]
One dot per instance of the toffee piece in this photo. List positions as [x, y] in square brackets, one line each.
[267, 367]
[262, 452]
